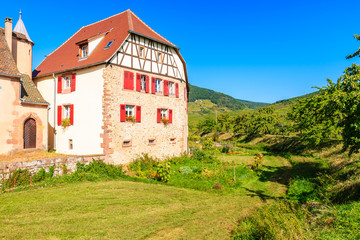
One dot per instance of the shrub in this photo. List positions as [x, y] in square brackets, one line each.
[143, 163]
[163, 171]
[207, 144]
[205, 156]
[301, 190]
[225, 149]
[18, 178]
[40, 176]
[185, 170]
[100, 169]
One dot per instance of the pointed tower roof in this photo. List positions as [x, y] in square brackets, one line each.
[20, 27]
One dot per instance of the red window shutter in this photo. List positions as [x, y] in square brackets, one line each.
[138, 82]
[166, 87]
[138, 113]
[170, 115]
[73, 82]
[72, 114]
[159, 115]
[147, 84]
[153, 85]
[122, 113]
[128, 80]
[131, 81]
[59, 118]
[177, 90]
[59, 84]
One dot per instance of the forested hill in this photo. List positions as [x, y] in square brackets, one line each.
[295, 99]
[221, 99]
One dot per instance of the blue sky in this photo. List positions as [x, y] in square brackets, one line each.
[253, 50]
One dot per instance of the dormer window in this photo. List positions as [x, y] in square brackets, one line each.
[84, 51]
[109, 44]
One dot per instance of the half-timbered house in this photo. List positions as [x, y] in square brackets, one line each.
[116, 87]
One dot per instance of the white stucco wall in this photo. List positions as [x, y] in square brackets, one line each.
[87, 100]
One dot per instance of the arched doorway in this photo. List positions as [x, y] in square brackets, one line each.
[30, 133]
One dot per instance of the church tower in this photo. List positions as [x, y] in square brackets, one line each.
[22, 48]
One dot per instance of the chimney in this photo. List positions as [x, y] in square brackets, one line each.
[8, 32]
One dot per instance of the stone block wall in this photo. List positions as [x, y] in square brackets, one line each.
[169, 140]
[6, 168]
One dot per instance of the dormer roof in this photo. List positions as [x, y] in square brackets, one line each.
[116, 28]
[20, 28]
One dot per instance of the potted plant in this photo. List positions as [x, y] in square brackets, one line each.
[130, 119]
[165, 121]
[65, 122]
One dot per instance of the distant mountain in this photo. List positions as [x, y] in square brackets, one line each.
[220, 99]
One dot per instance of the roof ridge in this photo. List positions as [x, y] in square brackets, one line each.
[131, 26]
[58, 47]
[107, 18]
[149, 27]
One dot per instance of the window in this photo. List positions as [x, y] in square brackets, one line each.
[127, 143]
[151, 141]
[158, 85]
[66, 112]
[141, 52]
[172, 140]
[143, 83]
[171, 89]
[67, 82]
[84, 51]
[159, 55]
[129, 111]
[70, 144]
[164, 113]
[109, 44]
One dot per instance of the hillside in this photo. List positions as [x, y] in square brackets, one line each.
[221, 100]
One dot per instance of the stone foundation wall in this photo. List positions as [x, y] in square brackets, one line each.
[6, 168]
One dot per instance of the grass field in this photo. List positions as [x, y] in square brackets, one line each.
[120, 210]
[134, 210]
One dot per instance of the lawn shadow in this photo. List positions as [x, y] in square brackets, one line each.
[260, 194]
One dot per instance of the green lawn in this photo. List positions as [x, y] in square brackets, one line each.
[185, 208]
[120, 210]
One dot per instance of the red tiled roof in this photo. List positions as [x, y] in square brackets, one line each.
[7, 62]
[118, 26]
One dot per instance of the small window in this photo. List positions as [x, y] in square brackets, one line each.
[143, 83]
[70, 144]
[171, 89]
[158, 85]
[109, 44]
[160, 57]
[172, 140]
[84, 51]
[164, 113]
[141, 52]
[66, 112]
[151, 141]
[127, 143]
[67, 82]
[129, 111]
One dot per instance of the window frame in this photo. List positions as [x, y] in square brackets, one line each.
[143, 83]
[142, 52]
[171, 88]
[82, 47]
[132, 108]
[166, 110]
[65, 111]
[159, 57]
[158, 85]
[65, 79]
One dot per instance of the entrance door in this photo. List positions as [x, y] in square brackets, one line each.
[30, 133]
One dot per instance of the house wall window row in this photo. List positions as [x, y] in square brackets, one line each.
[157, 85]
